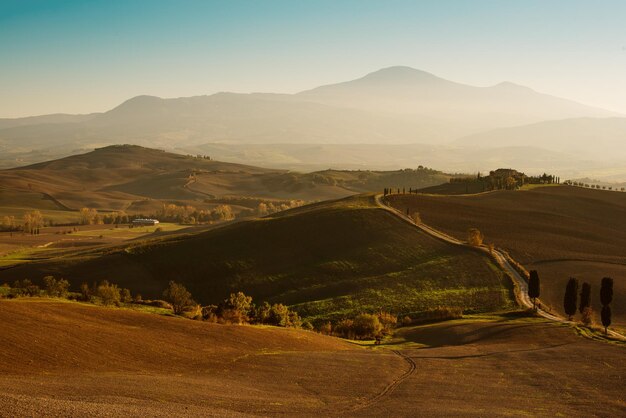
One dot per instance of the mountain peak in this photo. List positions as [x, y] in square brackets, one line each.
[400, 73]
[137, 103]
[507, 85]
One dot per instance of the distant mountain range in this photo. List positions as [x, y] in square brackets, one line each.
[397, 105]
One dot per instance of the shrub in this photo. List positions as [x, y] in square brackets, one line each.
[345, 328]
[441, 313]
[232, 316]
[367, 326]
[25, 288]
[406, 321]
[179, 297]
[126, 296]
[209, 313]
[325, 328]
[475, 237]
[239, 302]
[306, 325]
[108, 293]
[194, 312]
[262, 312]
[294, 319]
[85, 292]
[388, 322]
[587, 316]
[56, 288]
[278, 315]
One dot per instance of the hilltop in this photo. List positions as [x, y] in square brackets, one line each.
[328, 260]
[139, 180]
[560, 231]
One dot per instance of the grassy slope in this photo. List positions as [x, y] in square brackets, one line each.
[560, 231]
[329, 260]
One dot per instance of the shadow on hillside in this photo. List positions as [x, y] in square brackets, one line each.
[455, 334]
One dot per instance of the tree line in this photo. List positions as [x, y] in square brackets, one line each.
[237, 308]
[32, 222]
[574, 301]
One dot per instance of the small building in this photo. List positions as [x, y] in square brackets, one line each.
[145, 222]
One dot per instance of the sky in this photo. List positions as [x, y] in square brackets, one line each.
[89, 56]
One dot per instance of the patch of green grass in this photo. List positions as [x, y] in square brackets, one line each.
[23, 255]
[125, 232]
[57, 216]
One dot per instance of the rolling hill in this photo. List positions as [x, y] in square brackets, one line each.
[591, 138]
[328, 260]
[140, 180]
[560, 231]
[61, 358]
[121, 362]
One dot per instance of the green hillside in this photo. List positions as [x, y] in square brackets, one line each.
[329, 260]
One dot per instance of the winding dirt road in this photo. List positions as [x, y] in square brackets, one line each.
[521, 285]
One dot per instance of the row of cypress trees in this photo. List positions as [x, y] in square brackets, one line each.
[570, 300]
[606, 297]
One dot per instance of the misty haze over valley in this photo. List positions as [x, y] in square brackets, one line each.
[393, 118]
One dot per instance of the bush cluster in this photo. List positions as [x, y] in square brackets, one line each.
[239, 309]
[363, 326]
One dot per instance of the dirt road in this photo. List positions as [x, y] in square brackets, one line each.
[521, 284]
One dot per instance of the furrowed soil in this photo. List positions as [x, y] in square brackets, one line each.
[62, 358]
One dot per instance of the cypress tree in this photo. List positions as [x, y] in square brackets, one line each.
[585, 297]
[606, 317]
[571, 297]
[606, 291]
[606, 297]
[533, 287]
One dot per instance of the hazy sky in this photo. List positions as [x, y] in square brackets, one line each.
[86, 56]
